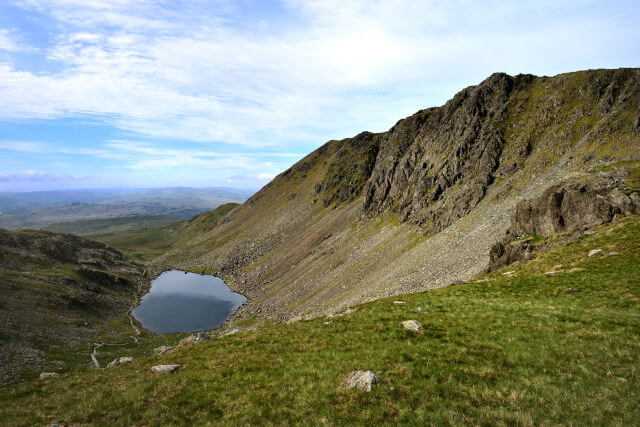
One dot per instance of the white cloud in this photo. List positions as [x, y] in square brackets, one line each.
[23, 146]
[334, 68]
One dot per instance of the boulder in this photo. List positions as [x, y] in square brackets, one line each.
[363, 380]
[48, 375]
[120, 361]
[412, 325]
[166, 369]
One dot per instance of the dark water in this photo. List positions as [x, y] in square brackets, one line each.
[180, 302]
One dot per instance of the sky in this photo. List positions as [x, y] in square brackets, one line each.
[156, 93]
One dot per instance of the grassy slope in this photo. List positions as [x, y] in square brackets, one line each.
[148, 241]
[86, 227]
[503, 351]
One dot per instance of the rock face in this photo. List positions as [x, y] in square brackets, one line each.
[575, 206]
[436, 165]
[363, 380]
[166, 369]
[566, 207]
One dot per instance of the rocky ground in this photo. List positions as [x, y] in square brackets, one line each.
[60, 293]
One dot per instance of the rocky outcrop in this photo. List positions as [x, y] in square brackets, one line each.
[435, 166]
[60, 288]
[575, 206]
[570, 207]
[119, 361]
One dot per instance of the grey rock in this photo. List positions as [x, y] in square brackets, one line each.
[120, 361]
[295, 319]
[593, 252]
[231, 332]
[163, 349]
[412, 325]
[166, 368]
[363, 380]
[195, 338]
[574, 205]
[48, 375]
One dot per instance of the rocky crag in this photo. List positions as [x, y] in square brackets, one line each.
[59, 293]
[421, 205]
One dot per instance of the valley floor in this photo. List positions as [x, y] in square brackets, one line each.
[555, 341]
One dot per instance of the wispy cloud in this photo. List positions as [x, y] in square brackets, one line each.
[194, 71]
[37, 176]
[220, 87]
[24, 146]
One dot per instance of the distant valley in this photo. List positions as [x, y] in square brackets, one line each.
[63, 208]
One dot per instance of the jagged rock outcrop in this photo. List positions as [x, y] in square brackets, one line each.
[566, 207]
[575, 205]
[435, 166]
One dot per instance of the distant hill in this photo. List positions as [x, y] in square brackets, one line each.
[37, 209]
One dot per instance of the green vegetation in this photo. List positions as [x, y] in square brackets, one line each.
[145, 244]
[523, 348]
[87, 227]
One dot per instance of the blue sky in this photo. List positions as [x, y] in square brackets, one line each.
[111, 93]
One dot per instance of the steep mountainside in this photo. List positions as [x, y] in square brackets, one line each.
[59, 294]
[418, 206]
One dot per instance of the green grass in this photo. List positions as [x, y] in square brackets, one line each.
[145, 244]
[86, 227]
[508, 350]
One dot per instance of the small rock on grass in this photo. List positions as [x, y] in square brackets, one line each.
[399, 302]
[165, 368]
[295, 319]
[231, 332]
[47, 375]
[593, 252]
[508, 273]
[363, 380]
[571, 290]
[191, 339]
[120, 361]
[163, 349]
[412, 325]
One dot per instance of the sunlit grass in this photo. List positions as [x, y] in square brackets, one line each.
[508, 350]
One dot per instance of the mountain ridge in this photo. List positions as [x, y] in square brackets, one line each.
[418, 206]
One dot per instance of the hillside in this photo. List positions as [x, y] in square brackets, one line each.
[419, 206]
[60, 294]
[517, 346]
